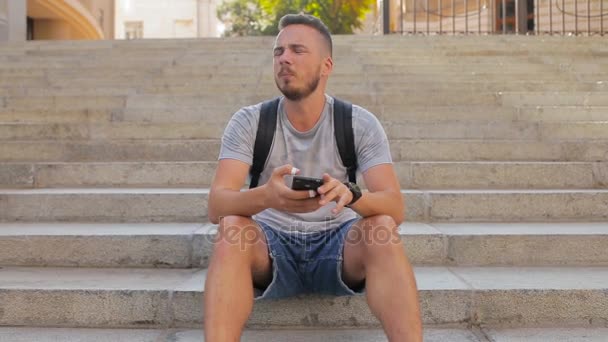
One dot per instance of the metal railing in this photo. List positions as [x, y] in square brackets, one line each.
[530, 17]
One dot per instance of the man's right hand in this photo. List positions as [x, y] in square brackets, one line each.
[280, 197]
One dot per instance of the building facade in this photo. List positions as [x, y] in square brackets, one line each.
[56, 19]
[137, 19]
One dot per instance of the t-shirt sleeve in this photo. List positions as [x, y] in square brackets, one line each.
[239, 135]
[371, 142]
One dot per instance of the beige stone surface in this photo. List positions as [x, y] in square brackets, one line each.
[159, 174]
[207, 150]
[489, 130]
[43, 132]
[97, 245]
[561, 334]
[104, 205]
[102, 151]
[466, 150]
[24, 334]
[563, 113]
[167, 123]
[437, 285]
[600, 173]
[536, 206]
[412, 175]
[57, 116]
[554, 98]
[189, 205]
[533, 244]
[151, 107]
[269, 335]
[496, 175]
[16, 175]
[65, 102]
[575, 130]
[530, 297]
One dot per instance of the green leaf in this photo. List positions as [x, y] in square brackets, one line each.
[261, 17]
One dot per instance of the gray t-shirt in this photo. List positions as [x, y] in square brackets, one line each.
[313, 152]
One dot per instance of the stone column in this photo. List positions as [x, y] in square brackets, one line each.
[207, 17]
[13, 20]
[3, 20]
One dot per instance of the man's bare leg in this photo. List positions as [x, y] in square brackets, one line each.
[374, 252]
[240, 258]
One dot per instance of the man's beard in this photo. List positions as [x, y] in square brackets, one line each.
[298, 94]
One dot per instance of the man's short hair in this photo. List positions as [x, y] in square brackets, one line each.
[308, 20]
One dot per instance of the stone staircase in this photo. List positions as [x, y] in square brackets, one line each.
[107, 150]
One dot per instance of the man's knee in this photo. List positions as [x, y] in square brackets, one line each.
[236, 234]
[381, 236]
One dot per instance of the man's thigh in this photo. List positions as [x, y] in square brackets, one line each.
[366, 237]
[250, 237]
[353, 268]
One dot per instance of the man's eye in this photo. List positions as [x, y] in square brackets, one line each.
[278, 52]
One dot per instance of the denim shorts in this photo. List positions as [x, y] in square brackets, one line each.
[304, 263]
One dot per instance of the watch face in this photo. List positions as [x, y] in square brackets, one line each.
[356, 191]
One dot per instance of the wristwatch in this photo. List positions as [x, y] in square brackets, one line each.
[355, 190]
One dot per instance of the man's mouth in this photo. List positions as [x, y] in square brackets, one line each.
[285, 73]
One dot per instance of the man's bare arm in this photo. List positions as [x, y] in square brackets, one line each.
[383, 196]
[226, 197]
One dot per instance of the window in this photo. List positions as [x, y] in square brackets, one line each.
[183, 28]
[134, 29]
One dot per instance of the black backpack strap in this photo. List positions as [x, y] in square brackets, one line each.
[345, 138]
[263, 139]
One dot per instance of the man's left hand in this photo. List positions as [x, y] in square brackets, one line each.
[334, 190]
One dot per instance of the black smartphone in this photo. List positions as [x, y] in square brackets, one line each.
[306, 183]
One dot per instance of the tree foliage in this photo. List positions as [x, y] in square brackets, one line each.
[261, 17]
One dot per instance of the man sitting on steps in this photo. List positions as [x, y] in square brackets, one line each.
[276, 242]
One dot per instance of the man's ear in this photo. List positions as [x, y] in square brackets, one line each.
[328, 66]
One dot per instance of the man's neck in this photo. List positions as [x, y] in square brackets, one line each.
[305, 113]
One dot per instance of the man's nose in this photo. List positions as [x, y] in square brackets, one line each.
[285, 57]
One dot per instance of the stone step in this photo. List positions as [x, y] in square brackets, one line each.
[554, 98]
[562, 113]
[412, 175]
[342, 85]
[426, 60]
[208, 150]
[190, 87]
[145, 150]
[395, 129]
[516, 46]
[222, 113]
[137, 298]
[174, 63]
[64, 102]
[370, 54]
[28, 65]
[189, 245]
[118, 89]
[389, 77]
[112, 131]
[179, 63]
[501, 175]
[187, 85]
[562, 62]
[56, 116]
[363, 97]
[431, 334]
[190, 205]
